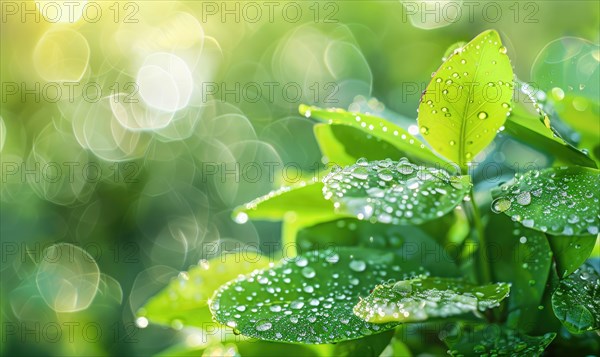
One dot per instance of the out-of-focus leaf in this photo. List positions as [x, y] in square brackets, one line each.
[495, 340]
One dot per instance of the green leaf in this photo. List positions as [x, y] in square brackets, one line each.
[329, 138]
[468, 99]
[378, 128]
[343, 144]
[298, 206]
[423, 298]
[561, 201]
[529, 123]
[304, 199]
[495, 340]
[309, 299]
[396, 192]
[185, 299]
[582, 114]
[522, 257]
[571, 252]
[576, 301]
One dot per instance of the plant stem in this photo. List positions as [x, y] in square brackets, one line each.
[482, 266]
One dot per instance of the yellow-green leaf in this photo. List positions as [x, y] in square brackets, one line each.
[468, 99]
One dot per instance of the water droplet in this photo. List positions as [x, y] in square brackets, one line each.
[360, 172]
[424, 130]
[296, 305]
[241, 218]
[141, 322]
[358, 265]
[385, 175]
[502, 50]
[523, 240]
[362, 162]
[308, 272]
[528, 223]
[524, 198]
[452, 142]
[302, 262]
[482, 115]
[500, 205]
[264, 326]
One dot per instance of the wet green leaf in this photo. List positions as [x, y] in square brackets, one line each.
[304, 199]
[571, 252]
[396, 192]
[423, 298]
[561, 200]
[468, 99]
[495, 340]
[576, 301]
[309, 298]
[379, 128]
[184, 301]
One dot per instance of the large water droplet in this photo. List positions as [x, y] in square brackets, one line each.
[308, 272]
[500, 205]
[358, 265]
[524, 198]
[264, 326]
[241, 218]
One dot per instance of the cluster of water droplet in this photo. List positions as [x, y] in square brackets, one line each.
[557, 200]
[399, 192]
[308, 298]
[241, 217]
[575, 301]
[380, 129]
[421, 298]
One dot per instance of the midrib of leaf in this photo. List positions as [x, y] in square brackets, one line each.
[465, 114]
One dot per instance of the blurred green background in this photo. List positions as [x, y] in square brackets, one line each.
[130, 130]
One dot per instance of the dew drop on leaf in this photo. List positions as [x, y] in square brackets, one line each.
[524, 198]
[500, 205]
[358, 265]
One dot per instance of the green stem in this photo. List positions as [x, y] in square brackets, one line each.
[482, 266]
